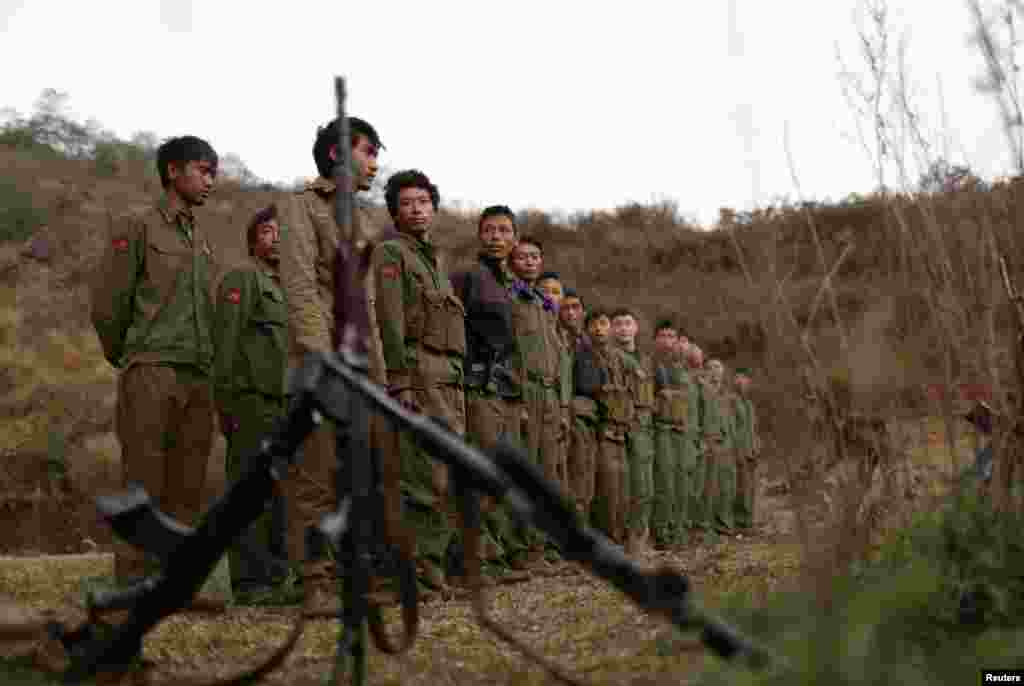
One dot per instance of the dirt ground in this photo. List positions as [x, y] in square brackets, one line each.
[577, 619]
[583, 623]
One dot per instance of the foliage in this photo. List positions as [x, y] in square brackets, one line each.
[50, 131]
[19, 216]
[903, 618]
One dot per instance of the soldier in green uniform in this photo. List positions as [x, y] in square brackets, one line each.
[640, 438]
[694, 475]
[251, 343]
[720, 490]
[582, 449]
[676, 420]
[422, 331]
[540, 361]
[615, 415]
[748, 448]
[152, 308]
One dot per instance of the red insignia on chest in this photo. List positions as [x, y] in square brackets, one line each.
[120, 244]
[389, 271]
[234, 296]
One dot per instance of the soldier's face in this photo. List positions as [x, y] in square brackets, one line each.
[695, 359]
[715, 370]
[551, 288]
[364, 163]
[624, 329]
[498, 235]
[527, 262]
[415, 211]
[268, 236]
[571, 313]
[193, 181]
[666, 341]
[599, 329]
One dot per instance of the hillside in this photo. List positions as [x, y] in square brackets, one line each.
[897, 303]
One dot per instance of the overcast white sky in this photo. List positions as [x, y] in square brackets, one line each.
[554, 105]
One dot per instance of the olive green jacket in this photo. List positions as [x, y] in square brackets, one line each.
[152, 291]
[250, 333]
[421, 320]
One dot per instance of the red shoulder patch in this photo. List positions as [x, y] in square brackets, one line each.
[234, 296]
[390, 271]
[119, 244]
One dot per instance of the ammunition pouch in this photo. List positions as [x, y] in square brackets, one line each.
[442, 324]
[673, 407]
[644, 389]
[619, 403]
[584, 407]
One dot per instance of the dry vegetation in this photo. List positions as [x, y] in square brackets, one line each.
[864, 320]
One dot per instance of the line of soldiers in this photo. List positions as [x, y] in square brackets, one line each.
[646, 445]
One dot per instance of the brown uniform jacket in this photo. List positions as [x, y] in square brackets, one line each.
[309, 247]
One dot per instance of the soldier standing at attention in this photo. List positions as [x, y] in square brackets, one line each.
[540, 362]
[494, 403]
[152, 307]
[676, 417]
[422, 330]
[640, 438]
[748, 449]
[616, 415]
[696, 467]
[251, 341]
[582, 449]
[308, 252]
[720, 490]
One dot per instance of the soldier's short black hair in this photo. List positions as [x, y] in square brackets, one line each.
[409, 178]
[623, 312]
[595, 313]
[663, 324]
[262, 217]
[180, 151]
[550, 275]
[327, 136]
[497, 211]
[530, 240]
[571, 293]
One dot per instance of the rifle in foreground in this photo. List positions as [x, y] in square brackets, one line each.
[334, 386]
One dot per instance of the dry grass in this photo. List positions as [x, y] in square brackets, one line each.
[580, 621]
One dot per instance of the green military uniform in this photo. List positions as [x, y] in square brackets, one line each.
[583, 414]
[676, 426]
[152, 309]
[747, 447]
[540, 360]
[251, 335]
[616, 414]
[537, 362]
[640, 445]
[690, 475]
[720, 465]
[422, 331]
